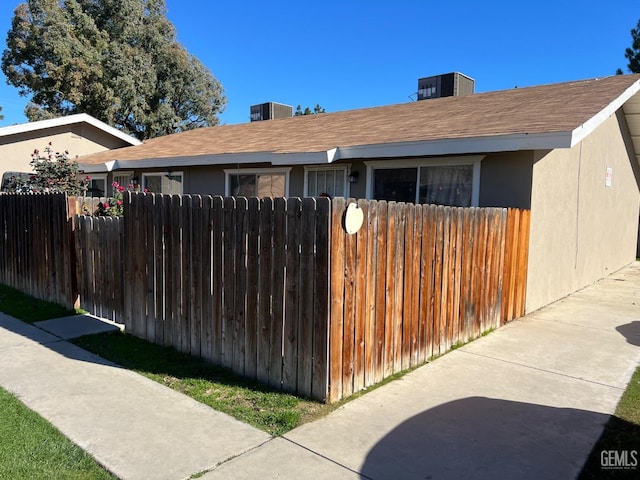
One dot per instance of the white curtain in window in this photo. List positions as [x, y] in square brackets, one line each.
[446, 185]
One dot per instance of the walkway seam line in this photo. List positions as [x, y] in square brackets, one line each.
[541, 369]
[362, 475]
[226, 460]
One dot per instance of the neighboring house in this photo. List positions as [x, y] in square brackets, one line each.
[569, 152]
[79, 134]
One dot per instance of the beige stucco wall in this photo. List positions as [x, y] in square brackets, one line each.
[582, 230]
[77, 139]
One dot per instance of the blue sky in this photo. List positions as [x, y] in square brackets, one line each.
[353, 54]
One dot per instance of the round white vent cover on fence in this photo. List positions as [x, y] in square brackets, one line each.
[353, 218]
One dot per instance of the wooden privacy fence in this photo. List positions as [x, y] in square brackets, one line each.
[416, 280]
[240, 282]
[36, 247]
[99, 267]
[275, 289]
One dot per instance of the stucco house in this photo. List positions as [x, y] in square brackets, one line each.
[79, 134]
[569, 152]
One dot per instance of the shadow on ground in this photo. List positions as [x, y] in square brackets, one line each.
[630, 331]
[486, 438]
[619, 439]
[54, 343]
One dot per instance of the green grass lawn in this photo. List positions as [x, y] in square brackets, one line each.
[621, 433]
[27, 308]
[31, 448]
[272, 411]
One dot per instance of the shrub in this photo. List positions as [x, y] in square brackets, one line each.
[53, 173]
[114, 206]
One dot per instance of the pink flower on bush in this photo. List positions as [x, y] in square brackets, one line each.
[119, 202]
[106, 205]
[146, 190]
[115, 185]
[87, 178]
[121, 189]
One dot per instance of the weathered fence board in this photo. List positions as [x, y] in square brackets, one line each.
[337, 286]
[435, 276]
[36, 245]
[240, 282]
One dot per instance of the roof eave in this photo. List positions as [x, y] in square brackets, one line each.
[292, 158]
[486, 144]
[68, 120]
[584, 130]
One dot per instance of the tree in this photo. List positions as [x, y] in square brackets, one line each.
[117, 60]
[54, 173]
[633, 53]
[307, 111]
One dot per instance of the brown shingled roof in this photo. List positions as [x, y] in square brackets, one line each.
[544, 109]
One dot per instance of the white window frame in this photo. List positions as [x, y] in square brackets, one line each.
[473, 160]
[255, 171]
[101, 176]
[345, 168]
[161, 174]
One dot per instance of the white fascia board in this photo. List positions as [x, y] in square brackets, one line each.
[41, 125]
[99, 167]
[196, 161]
[594, 122]
[308, 158]
[67, 120]
[501, 143]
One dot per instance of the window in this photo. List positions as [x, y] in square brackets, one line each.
[398, 184]
[329, 181]
[446, 185]
[428, 181]
[124, 179]
[97, 186]
[165, 182]
[257, 183]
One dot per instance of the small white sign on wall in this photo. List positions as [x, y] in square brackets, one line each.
[607, 177]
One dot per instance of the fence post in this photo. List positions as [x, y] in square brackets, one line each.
[72, 212]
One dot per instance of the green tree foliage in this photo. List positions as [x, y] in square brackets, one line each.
[117, 60]
[55, 172]
[307, 111]
[633, 53]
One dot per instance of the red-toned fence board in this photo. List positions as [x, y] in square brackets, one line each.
[435, 276]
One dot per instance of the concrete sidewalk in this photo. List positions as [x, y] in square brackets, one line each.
[527, 401]
[133, 426]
